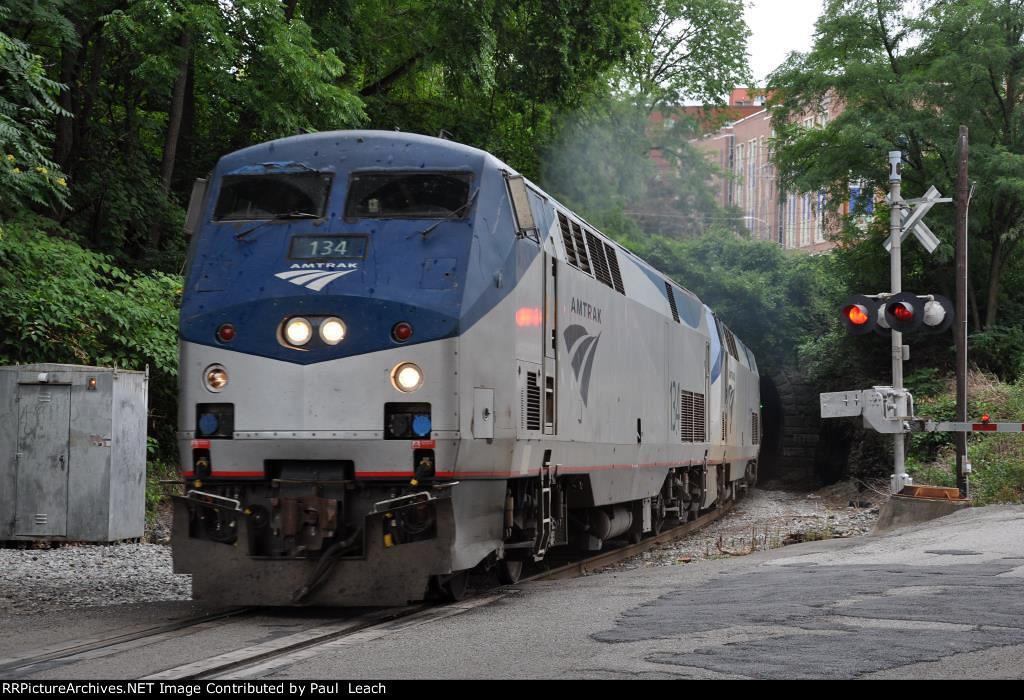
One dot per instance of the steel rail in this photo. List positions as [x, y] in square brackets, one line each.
[72, 650]
[604, 559]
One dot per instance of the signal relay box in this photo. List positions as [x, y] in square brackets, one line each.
[72, 453]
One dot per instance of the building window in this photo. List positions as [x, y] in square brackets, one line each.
[819, 217]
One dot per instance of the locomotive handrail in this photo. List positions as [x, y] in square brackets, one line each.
[377, 507]
[409, 497]
[238, 504]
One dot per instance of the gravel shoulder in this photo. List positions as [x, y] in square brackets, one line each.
[767, 518]
[78, 576]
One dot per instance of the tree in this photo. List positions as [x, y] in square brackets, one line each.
[491, 74]
[692, 51]
[28, 174]
[906, 82]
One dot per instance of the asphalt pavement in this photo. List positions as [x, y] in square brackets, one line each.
[940, 600]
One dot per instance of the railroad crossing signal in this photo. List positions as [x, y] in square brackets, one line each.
[891, 409]
[903, 312]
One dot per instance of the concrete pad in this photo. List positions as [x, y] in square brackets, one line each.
[901, 511]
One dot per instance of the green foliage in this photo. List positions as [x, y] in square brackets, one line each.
[1000, 350]
[158, 470]
[62, 303]
[997, 459]
[28, 175]
[691, 51]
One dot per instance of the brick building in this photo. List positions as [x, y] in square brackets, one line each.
[741, 149]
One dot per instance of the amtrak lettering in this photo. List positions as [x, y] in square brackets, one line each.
[582, 348]
[582, 308]
[325, 266]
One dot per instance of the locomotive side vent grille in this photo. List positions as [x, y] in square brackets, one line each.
[672, 302]
[570, 249]
[601, 271]
[755, 429]
[531, 412]
[581, 248]
[700, 418]
[613, 266]
[692, 426]
[730, 340]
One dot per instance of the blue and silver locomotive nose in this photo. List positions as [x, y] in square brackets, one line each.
[325, 292]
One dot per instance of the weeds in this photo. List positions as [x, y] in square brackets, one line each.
[997, 460]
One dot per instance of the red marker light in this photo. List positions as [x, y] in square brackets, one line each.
[527, 317]
[401, 332]
[985, 418]
[857, 314]
[226, 333]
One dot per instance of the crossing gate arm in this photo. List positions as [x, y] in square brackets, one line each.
[946, 427]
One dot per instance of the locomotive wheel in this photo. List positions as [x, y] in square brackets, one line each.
[509, 572]
[454, 589]
[657, 514]
[751, 475]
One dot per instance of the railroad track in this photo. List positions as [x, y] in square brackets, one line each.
[614, 556]
[264, 658]
[267, 657]
[93, 648]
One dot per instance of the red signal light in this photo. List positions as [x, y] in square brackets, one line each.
[902, 311]
[985, 418]
[857, 314]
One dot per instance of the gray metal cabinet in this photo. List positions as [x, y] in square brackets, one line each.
[72, 453]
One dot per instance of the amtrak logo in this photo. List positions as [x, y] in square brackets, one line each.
[312, 279]
[582, 348]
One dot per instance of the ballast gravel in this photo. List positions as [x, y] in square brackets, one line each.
[35, 580]
[769, 519]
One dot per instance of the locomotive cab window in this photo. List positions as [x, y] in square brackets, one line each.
[415, 195]
[281, 195]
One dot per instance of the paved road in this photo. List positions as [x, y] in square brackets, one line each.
[941, 600]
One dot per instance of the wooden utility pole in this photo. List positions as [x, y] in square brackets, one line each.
[960, 327]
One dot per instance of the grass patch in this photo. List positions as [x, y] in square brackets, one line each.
[997, 460]
[157, 493]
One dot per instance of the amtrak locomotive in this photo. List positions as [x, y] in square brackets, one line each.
[401, 361]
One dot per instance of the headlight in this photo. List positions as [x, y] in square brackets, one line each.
[216, 378]
[407, 377]
[332, 331]
[298, 331]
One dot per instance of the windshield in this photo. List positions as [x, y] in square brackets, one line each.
[248, 197]
[407, 195]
